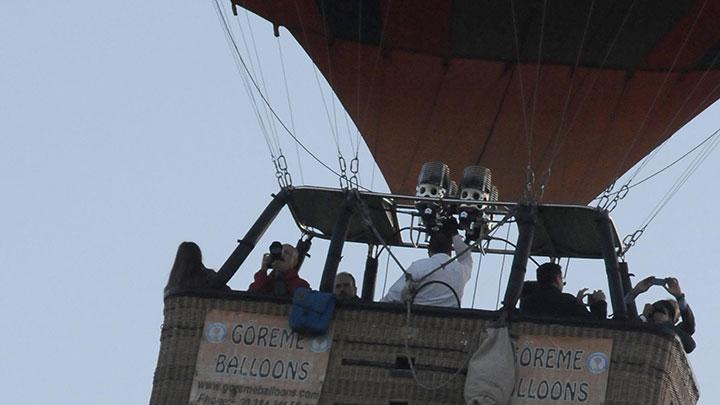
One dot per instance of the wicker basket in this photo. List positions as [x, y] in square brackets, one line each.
[648, 366]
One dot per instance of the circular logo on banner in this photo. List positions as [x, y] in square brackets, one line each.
[598, 362]
[216, 332]
[321, 344]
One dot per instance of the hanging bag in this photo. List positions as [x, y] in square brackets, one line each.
[491, 370]
[311, 311]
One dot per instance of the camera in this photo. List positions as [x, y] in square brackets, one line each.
[275, 252]
[659, 281]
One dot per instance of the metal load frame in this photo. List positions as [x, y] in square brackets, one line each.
[543, 230]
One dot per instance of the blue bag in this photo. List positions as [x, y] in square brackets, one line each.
[311, 311]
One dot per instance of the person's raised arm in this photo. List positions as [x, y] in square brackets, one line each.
[688, 318]
[642, 286]
[598, 304]
[262, 279]
[463, 252]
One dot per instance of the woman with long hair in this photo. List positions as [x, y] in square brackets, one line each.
[188, 270]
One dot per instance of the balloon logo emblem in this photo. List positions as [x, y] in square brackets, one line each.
[598, 362]
[321, 344]
[216, 332]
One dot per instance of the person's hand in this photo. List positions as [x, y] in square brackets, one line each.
[596, 296]
[450, 226]
[580, 295]
[266, 260]
[644, 285]
[673, 287]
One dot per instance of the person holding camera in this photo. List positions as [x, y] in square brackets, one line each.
[547, 297]
[284, 260]
[445, 286]
[667, 312]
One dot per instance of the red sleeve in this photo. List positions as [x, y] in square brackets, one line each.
[293, 281]
[262, 282]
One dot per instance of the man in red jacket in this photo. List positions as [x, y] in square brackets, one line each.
[283, 279]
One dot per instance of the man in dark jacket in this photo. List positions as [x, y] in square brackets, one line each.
[548, 298]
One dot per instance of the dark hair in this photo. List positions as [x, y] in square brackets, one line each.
[351, 277]
[547, 272]
[668, 307]
[186, 271]
[440, 242]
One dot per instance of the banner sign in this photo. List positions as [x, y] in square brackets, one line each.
[255, 359]
[567, 370]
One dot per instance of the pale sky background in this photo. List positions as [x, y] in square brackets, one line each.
[125, 130]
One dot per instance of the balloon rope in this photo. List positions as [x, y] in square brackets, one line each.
[537, 82]
[235, 52]
[261, 75]
[331, 79]
[520, 78]
[477, 276]
[586, 96]
[566, 106]
[682, 179]
[292, 117]
[502, 270]
[669, 127]
[255, 85]
[631, 239]
[660, 91]
[333, 129]
[673, 163]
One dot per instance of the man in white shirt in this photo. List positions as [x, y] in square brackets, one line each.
[455, 274]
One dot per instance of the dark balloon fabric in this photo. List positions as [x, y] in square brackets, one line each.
[580, 89]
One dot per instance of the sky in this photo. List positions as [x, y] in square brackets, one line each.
[125, 129]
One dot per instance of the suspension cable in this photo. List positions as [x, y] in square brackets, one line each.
[566, 105]
[260, 70]
[624, 189]
[537, 82]
[235, 54]
[331, 79]
[266, 101]
[518, 67]
[668, 128]
[668, 166]
[357, 80]
[502, 271]
[477, 276]
[292, 117]
[646, 119]
[387, 265]
[268, 122]
[278, 159]
[630, 240]
[371, 87]
[333, 128]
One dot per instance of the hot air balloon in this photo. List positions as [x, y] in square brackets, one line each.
[582, 89]
[544, 103]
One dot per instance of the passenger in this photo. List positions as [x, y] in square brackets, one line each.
[668, 312]
[548, 298]
[188, 270]
[345, 288]
[454, 274]
[283, 279]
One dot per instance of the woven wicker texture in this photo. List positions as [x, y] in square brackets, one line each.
[645, 368]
